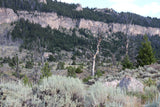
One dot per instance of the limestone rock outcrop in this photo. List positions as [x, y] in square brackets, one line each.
[56, 22]
[43, 1]
[79, 7]
[7, 15]
[48, 19]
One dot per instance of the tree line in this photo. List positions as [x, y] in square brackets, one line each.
[68, 10]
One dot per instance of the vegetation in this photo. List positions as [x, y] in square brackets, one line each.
[99, 73]
[126, 63]
[146, 55]
[29, 64]
[60, 65]
[150, 82]
[46, 71]
[78, 70]
[68, 10]
[73, 63]
[26, 81]
[85, 80]
[71, 71]
[51, 58]
[62, 91]
[54, 40]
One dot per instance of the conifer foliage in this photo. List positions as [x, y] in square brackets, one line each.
[146, 55]
[126, 63]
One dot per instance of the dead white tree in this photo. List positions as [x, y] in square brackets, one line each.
[97, 51]
[38, 56]
[128, 23]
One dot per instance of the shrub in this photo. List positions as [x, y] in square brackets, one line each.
[62, 91]
[99, 95]
[151, 93]
[18, 75]
[99, 73]
[78, 70]
[150, 82]
[14, 94]
[71, 71]
[46, 71]
[29, 65]
[60, 65]
[126, 63]
[53, 91]
[26, 81]
[73, 57]
[51, 58]
[73, 63]
[155, 103]
[96, 95]
[12, 62]
[87, 79]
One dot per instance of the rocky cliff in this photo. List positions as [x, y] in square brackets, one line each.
[7, 16]
[56, 22]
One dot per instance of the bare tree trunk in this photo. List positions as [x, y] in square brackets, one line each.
[127, 41]
[94, 57]
[17, 66]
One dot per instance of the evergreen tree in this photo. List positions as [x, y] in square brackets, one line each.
[126, 63]
[46, 71]
[146, 55]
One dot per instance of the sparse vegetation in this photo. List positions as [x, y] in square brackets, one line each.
[78, 70]
[51, 58]
[58, 90]
[99, 73]
[60, 65]
[85, 80]
[71, 71]
[150, 82]
[29, 64]
[46, 71]
[26, 81]
[26, 78]
[68, 10]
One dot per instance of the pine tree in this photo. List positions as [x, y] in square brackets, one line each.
[46, 71]
[146, 54]
[126, 63]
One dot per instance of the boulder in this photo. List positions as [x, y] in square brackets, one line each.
[112, 84]
[131, 84]
[151, 70]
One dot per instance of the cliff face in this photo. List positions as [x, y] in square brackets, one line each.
[7, 16]
[55, 22]
[116, 27]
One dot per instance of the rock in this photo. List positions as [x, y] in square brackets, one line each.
[112, 84]
[131, 84]
[43, 1]
[151, 70]
[91, 82]
[156, 76]
[79, 7]
[7, 15]
[56, 22]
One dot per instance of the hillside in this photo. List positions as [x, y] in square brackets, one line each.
[54, 54]
[68, 10]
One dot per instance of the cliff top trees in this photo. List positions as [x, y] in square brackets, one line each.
[146, 54]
